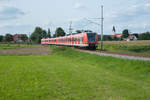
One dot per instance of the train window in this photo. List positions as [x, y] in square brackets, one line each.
[91, 37]
[78, 39]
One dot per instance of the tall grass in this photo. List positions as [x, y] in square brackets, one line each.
[138, 47]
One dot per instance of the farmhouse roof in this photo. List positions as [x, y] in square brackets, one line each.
[118, 35]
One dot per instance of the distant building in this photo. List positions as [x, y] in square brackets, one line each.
[131, 37]
[118, 35]
[136, 35]
[17, 37]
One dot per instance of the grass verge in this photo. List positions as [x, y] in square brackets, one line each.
[133, 47]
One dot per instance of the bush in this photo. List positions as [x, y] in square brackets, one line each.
[1, 38]
[144, 36]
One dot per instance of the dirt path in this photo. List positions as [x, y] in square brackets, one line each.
[119, 55]
[25, 51]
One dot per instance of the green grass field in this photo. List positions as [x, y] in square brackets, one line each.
[67, 74]
[134, 47]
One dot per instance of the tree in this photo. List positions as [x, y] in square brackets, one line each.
[1, 38]
[33, 37]
[38, 34]
[44, 34]
[87, 31]
[144, 36]
[79, 31]
[24, 37]
[125, 33]
[105, 38]
[8, 37]
[49, 33]
[59, 32]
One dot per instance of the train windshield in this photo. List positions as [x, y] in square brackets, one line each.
[91, 37]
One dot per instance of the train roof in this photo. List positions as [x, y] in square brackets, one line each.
[79, 33]
[69, 35]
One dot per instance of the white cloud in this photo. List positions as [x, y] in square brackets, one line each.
[11, 28]
[123, 14]
[79, 6]
[74, 19]
[10, 13]
[147, 4]
[130, 13]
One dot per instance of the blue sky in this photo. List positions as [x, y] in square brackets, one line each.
[22, 16]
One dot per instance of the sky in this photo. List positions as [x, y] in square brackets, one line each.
[22, 16]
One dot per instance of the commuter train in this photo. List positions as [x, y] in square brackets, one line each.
[87, 40]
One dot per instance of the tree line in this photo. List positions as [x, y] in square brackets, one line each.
[35, 36]
[126, 34]
[144, 36]
[40, 33]
[9, 37]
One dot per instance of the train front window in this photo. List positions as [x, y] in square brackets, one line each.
[91, 37]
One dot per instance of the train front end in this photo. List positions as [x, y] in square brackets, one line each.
[92, 40]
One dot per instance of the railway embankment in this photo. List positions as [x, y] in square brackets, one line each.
[119, 55]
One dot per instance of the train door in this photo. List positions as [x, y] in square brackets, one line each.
[73, 41]
[79, 40]
[76, 40]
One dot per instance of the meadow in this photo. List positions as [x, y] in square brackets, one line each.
[134, 47]
[67, 74]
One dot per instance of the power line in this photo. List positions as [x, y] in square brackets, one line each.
[91, 21]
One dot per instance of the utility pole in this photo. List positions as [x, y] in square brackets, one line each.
[102, 20]
[70, 29]
[29, 39]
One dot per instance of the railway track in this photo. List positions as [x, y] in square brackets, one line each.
[118, 55]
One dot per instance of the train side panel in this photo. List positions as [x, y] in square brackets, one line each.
[80, 40]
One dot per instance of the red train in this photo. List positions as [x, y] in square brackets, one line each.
[86, 39]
